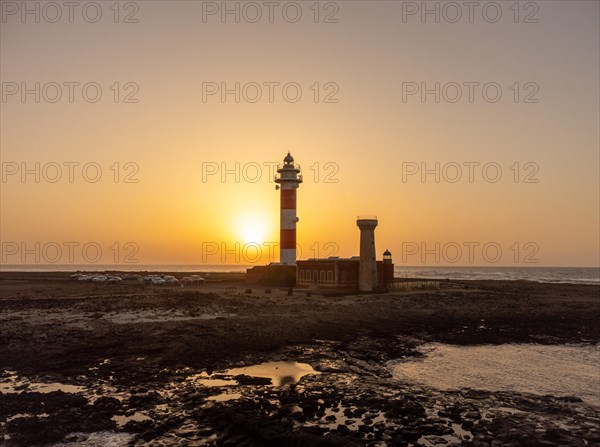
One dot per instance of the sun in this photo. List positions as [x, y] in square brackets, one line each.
[253, 228]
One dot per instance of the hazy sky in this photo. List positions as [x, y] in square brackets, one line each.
[526, 128]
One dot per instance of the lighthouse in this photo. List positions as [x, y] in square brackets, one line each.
[288, 179]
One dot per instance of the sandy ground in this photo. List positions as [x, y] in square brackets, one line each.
[131, 352]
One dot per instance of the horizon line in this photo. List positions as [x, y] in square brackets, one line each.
[255, 265]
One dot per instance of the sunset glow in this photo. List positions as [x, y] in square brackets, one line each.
[182, 163]
[345, 223]
[254, 228]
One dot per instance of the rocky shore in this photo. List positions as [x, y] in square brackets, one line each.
[130, 364]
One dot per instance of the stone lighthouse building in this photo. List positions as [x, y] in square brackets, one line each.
[357, 273]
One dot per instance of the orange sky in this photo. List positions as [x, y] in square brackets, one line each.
[366, 141]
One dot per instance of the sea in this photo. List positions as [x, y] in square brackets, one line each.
[573, 275]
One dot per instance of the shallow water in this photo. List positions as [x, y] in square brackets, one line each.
[564, 370]
[280, 373]
[121, 420]
[224, 397]
[97, 439]
[12, 383]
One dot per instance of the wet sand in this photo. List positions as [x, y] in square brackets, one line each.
[136, 349]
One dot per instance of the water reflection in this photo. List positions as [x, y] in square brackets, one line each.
[286, 380]
[280, 373]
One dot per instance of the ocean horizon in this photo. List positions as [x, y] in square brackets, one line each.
[573, 275]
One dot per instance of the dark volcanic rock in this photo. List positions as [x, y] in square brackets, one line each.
[349, 339]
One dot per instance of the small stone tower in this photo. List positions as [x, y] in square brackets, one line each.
[367, 269]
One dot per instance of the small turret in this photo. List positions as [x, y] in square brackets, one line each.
[388, 268]
[387, 257]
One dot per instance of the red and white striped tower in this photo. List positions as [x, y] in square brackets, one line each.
[289, 178]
